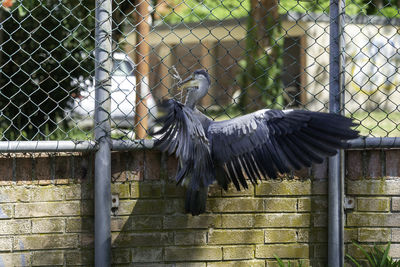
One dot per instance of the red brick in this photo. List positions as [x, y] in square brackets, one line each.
[354, 164]
[24, 169]
[172, 164]
[6, 169]
[320, 171]
[83, 167]
[118, 165]
[393, 163]
[374, 164]
[152, 167]
[62, 168]
[303, 173]
[134, 170]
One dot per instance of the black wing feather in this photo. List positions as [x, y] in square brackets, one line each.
[183, 134]
[270, 141]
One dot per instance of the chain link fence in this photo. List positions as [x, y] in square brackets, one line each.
[263, 54]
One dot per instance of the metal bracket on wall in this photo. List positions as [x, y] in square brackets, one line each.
[114, 204]
[349, 203]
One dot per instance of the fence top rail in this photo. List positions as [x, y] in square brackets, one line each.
[71, 146]
[47, 146]
[374, 142]
[129, 145]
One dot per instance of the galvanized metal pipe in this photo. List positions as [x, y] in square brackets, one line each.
[46, 146]
[126, 145]
[132, 145]
[374, 142]
[102, 192]
[336, 184]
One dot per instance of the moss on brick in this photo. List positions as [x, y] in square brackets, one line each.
[6, 243]
[150, 190]
[304, 204]
[79, 257]
[48, 258]
[48, 225]
[203, 221]
[236, 237]
[143, 254]
[145, 222]
[235, 205]
[280, 204]
[151, 239]
[373, 219]
[374, 234]
[190, 237]
[280, 236]
[282, 251]
[238, 252]
[245, 228]
[284, 188]
[46, 209]
[53, 241]
[280, 219]
[176, 254]
[6, 211]
[123, 190]
[373, 204]
[235, 221]
[242, 263]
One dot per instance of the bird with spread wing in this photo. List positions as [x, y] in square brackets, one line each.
[260, 144]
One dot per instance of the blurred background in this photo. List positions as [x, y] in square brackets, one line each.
[259, 54]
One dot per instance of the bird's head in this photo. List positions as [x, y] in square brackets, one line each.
[197, 86]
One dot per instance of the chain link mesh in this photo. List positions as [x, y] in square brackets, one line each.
[259, 54]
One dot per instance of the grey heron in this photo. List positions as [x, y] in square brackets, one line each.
[257, 145]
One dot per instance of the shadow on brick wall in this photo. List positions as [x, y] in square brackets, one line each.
[46, 209]
[286, 218]
[46, 212]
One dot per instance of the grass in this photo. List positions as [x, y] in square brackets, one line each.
[378, 123]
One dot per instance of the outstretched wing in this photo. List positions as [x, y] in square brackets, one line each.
[183, 134]
[266, 142]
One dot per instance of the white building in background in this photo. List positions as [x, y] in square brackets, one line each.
[372, 59]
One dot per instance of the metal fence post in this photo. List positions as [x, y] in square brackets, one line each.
[336, 177]
[102, 195]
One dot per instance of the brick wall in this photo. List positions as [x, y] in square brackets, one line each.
[373, 184]
[46, 213]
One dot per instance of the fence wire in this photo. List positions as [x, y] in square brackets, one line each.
[263, 54]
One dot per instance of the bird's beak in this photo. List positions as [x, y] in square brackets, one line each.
[187, 83]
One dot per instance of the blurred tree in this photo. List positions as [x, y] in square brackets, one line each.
[260, 78]
[45, 44]
[174, 11]
[123, 12]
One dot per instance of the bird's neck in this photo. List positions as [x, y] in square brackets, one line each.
[190, 102]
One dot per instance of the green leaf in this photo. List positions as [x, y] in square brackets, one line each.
[280, 262]
[365, 253]
[385, 255]
[353, 260]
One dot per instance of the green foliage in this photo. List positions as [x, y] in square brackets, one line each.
[261, 69]
[376, 257]
[45, 43]
[390, 12]
[193, 10]
[289, 264]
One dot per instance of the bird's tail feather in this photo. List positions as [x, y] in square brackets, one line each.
[195, 202]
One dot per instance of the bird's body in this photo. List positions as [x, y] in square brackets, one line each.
[254, 146]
